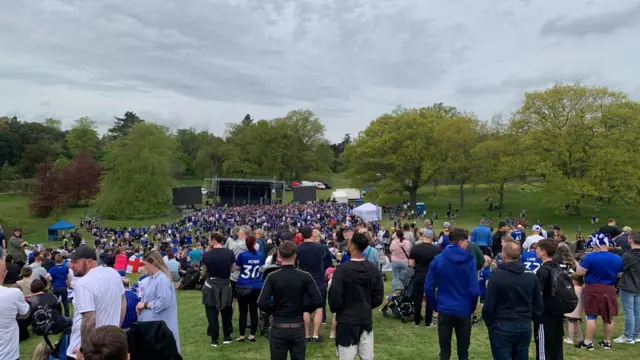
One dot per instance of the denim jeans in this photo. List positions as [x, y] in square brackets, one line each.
[399, 269]
[510, 341]
[631, 308]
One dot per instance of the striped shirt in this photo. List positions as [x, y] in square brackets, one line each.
[130, 316]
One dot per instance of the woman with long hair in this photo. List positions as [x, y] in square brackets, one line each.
[158, 301]
[399, 259]
[250, 263]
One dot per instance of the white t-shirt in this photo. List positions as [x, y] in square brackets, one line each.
[533, 239]
[100, 290]
[12, 304]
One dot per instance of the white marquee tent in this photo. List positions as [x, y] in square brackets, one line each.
[340, 197]
[368, 212]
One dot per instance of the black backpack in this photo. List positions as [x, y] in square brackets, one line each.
[563, 297]
[42, 320]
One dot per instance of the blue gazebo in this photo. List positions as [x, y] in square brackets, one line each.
[59, 226]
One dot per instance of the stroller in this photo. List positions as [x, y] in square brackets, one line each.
[264, 322]
[58, 351]
[401, 303]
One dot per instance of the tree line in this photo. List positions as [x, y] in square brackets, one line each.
[581, 142]
[134, 156]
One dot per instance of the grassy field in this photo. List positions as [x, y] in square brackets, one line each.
[393, 340]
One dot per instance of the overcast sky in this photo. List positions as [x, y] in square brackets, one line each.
[204, 63]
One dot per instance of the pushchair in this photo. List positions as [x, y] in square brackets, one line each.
[264, 322]
[58, 351]
[401, 303]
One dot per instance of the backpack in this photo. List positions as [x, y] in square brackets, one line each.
[563, 296]
[42, 320]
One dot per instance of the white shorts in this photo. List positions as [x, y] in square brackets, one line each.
[364, 349]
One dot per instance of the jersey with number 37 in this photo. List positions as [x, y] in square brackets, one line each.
[530, 261]
[250, 266]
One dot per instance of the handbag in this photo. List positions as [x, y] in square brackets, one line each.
[410, 271]
[244, 290]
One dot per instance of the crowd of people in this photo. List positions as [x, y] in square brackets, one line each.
[280, 266]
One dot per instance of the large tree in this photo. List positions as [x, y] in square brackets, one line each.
[81, 179]
[137, 180]
[121, 126]
[46, 196]
[576, 139]
[83, 136]
[292, 147]
[396, 151]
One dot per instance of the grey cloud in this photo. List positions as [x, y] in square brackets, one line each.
[519, 83]
[349, 61]
[221, 51]
[600, 24]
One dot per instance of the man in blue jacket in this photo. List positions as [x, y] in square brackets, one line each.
[454, 273]
[482, 236]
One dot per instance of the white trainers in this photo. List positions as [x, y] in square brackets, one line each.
[568, 341]
[624, 340]
[637, 339]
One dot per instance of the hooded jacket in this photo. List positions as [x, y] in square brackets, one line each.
[454, 273]
[630, 280]
[513, 295]
[356, 289]
[239, 246]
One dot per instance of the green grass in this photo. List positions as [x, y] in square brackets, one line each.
[393, 340]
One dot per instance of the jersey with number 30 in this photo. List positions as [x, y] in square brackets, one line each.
[530, 261]
[249, 266]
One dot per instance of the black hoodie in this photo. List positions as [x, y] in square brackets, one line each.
[513, 295]
[630, 280]
[356, 289]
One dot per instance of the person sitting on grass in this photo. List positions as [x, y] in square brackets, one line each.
[25, 282]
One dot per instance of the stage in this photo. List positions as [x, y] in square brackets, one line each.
[234, 192]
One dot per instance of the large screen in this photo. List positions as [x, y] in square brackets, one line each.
[304, 193]
[187, 195]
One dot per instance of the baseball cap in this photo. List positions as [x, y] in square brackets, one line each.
[83, 252]
[446, 225]
[428, 233]
[348, 228]
[536, 228]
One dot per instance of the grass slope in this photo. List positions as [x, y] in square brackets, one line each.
[393, 340]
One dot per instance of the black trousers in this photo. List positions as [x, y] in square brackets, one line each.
[287, 341]
[248, 304]
[64, 297]
[549, 337]
[213, 329]
[418, 291]
[462, 326]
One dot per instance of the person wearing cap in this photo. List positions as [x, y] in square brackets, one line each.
[533, 238]
[420, 258]
[99, 297]
[600, 269]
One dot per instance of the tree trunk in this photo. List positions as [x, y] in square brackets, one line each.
[501, 192]
[435, 188]
[473, 189]
[413, 197]
[462, 195]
